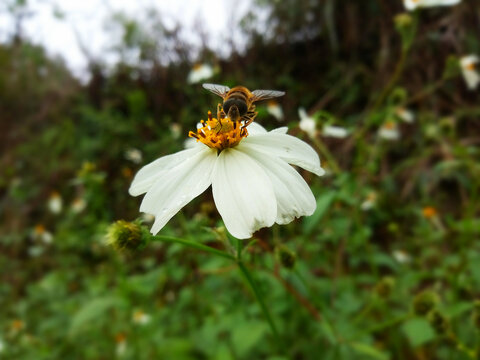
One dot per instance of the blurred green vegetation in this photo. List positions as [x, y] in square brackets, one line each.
[386, 268]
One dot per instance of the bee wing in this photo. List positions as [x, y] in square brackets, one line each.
[220, 90]
[266, 94]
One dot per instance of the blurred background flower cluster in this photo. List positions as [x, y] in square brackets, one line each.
[388, 266]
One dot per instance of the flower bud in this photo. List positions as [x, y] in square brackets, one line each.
[285, 256]
[425, 302]
[127, 235]
[438, 321]
[385, 286]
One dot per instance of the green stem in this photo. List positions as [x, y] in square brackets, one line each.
[328, 155]
[193, 244]
[256, 291]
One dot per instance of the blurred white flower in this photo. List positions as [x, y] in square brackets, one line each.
[401, 256]
[405, 115]
[140, 318]
[275, 110]
[252, 182]
[176, 130]
[199, 73]
[334, 131]
[389, 131]
[55, 203]
[469, 72]
[78, 205]
[42, 234]
[121, 341]
[134, 155]
[307, 123]
[414, 4]
[2, 346]
[370, 201]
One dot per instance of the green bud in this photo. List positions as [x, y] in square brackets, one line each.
[124, 235]
[406, 26]
[425, 302]
[403, 20]
[285, 256]
[385, 286]
[438, 321]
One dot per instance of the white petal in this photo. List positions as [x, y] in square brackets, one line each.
[147, 175]
[255, 128]
[294, 197]
[287, 147]
[243, 194]
[335, 131]
[280, 130]
[176, 187]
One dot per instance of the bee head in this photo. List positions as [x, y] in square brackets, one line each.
[238, 103]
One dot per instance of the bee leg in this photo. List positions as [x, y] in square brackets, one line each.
[249, 120]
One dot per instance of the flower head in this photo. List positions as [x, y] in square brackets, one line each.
[405, 115]
[307, 123]
[42, 234]
[55, 203]
[134, 155]
[337, 132]
[414, 4]
[140, 318]
[429, 212]
[275, 110]
[468, 65]
[199, 73]
[252, 182]
[389, 131]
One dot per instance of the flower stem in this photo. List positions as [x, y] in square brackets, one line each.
[193, 244]
[256, 291]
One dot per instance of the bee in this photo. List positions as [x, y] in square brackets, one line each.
[239, 102]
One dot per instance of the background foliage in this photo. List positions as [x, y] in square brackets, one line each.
[361, 278]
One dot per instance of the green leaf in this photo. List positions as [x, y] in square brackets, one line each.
[246, 335]
[370, 351]
[418, 331]
[323, 204]
[92, 311]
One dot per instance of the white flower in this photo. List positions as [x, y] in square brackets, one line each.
[134, 155]
[55, 203]
[470, 74]
[370, 201]
[140, 318]
[275, 110]
[121, 341]
[2, 346]
[78, 205]
[405, 115]
[401, 256]
[252, 182]
[42, 234]
[199, 73]
[334, 131]
[389, 131]
[307, 123]
[414, 4]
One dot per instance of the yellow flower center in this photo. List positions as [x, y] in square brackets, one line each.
[221, 132]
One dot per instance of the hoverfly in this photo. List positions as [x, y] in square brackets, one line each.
[239, 102]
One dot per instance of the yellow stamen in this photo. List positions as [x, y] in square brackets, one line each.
[221, 132]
